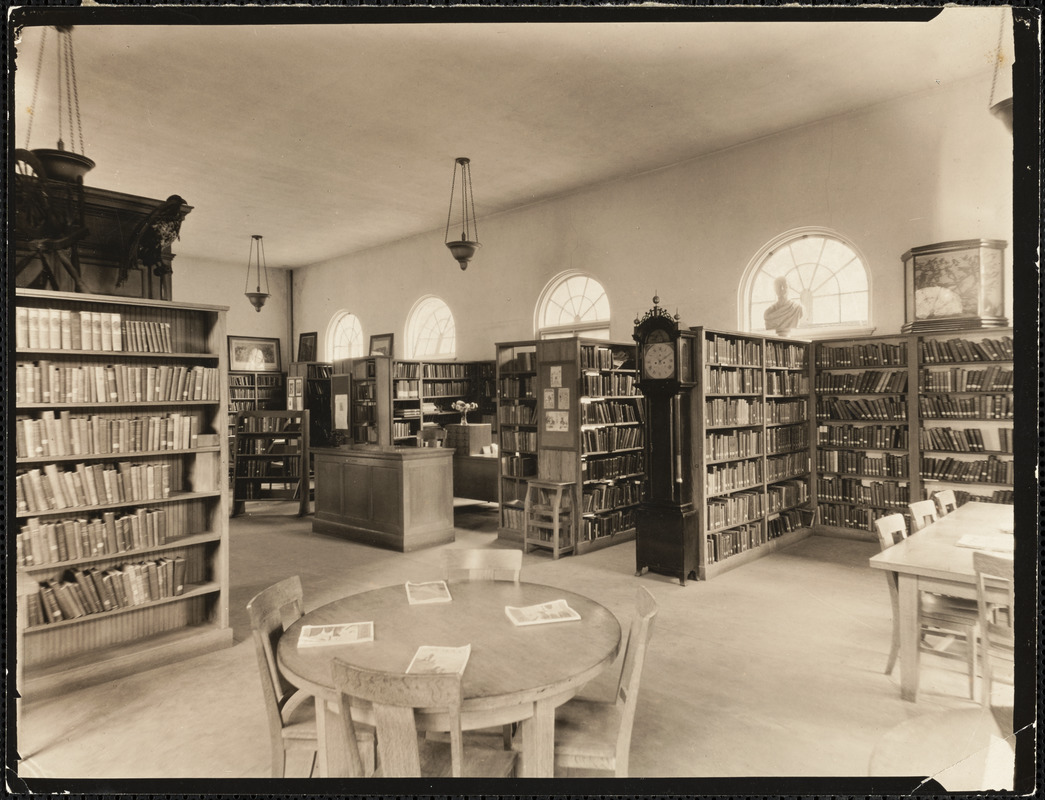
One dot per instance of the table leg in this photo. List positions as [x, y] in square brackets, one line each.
[537, 757]
[910, 633]
[332, 756]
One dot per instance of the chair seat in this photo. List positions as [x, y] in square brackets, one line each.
[952, 610]
[587, 729]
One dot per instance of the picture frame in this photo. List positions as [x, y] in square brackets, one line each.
[381, 345]
[307, 344]
[254, 354]
[954, 285]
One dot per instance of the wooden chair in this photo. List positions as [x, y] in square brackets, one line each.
[290, 711]
[995, 601]
[590, 734]
[482, 565]
[942, 617]
[923, 514]
[945, 501]
[401, 753]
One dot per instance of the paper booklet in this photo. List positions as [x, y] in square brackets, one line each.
[429, 592]
[344, 633]
[541, 614]
[431, 659]
[998, 544]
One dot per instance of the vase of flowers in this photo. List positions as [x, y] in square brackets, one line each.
[462, 407]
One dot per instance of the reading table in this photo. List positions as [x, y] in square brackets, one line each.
[514, 673]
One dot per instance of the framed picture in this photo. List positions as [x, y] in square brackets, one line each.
[307, 343]
[381, 345]
[254, 354]
[954, 285]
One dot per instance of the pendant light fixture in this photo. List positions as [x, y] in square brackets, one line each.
[463, 248]
[1003, 108]
[61, 164]
[256, 264]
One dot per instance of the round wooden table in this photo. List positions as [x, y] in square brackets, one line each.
[514, 674]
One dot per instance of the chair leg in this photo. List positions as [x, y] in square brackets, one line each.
[985, 657]
[894, 648]
[970, 642]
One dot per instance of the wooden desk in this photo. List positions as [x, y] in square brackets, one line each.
[514, 674]
[932, 561]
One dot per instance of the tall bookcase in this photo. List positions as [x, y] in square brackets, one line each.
[270, 458]
[901, 417]
[121, 460]
[570, 411]
[308, 387]
[751, 448]
[255, 391]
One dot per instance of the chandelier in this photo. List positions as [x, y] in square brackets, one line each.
[256, 265]
[463, 248]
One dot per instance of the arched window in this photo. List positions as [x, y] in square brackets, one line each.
[823, 272]
[430, 330]
[573, 304]
[344, 337]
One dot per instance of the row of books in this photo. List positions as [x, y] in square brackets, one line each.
[869, 436]
[871, 354]
[611, 467]
[961, 379]
[733, 477]
[936, 351]
[80, 435]
[1005, 496]
[609, 439]
[782, 355]
[403, 430]
[51, 489]
[52, 542]
[732, 411]
[519, 466]
[259, 446]
[945, 406]
[516, 441]
[95, 591]
[785, 496]
[720, 349]
[869, 382]
[850, 516]
[446, 370]
[966, 440]
[735, 444]
[525, 361]
[785, 522]
[991, 470]
[364, 391]
[318, 371]
[44, 382]
[614, 384]
[600, 497]
[516, 387]
[744, 380]
[787, 412]
[62, 329]
[786, 466]
[406, 369]
[723, 544]
[787, 383]
[785, 438]
[406, 390]
[604, 412]
[512, 518]
[604, 525]
[873, 408]
[269, 424]
[596, 357]
[888, 465]
[878, 494]
[735, 509]
[442, 388]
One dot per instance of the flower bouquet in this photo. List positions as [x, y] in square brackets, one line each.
[462, 407]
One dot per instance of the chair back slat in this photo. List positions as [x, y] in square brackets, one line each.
[892, 529]
[482, 565]
[639, 635]
[945, 501]
[271, 611]
[923, 514]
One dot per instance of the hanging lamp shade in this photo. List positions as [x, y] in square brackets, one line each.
[257, 267]
[1001, 83]
[464, 247]
[59, 163]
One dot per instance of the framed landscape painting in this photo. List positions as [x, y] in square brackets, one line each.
[381, 345]
[254, 354]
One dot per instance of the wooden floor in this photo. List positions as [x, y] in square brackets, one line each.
[768, 671]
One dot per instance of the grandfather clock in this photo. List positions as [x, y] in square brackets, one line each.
[666, 521]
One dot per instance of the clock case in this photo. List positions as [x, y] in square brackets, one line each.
[667, 527]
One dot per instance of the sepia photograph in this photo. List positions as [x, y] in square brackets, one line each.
[708, 331]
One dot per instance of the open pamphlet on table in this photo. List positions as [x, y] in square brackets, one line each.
[432, 659]
[428, 592]
[342, 633]
[542, 613]
[994, 544]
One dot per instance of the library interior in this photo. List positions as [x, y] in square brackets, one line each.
[571, 397]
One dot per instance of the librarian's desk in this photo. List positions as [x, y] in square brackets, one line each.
[514, 674]
[932, 561]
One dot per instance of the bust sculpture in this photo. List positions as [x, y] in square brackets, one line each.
[784, 314]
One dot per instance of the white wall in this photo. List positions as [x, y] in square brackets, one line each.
[928, 168]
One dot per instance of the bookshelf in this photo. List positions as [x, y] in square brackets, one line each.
[308, 387]
[255, 391]
[516, 376]
[751, 448]
[938, 416]
[121, 460]
[270, 458]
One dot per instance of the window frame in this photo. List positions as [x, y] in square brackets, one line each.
[595, 329]
[409, 338]
[329, 342]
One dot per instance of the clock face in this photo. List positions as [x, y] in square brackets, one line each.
[658, 361]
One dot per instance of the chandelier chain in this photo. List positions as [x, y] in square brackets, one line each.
[471, 192]
[76, 93]
[450, 211]
[997, 59]
[36, 88]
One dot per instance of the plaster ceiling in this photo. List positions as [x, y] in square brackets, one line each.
[331, 139]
